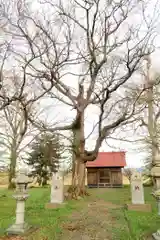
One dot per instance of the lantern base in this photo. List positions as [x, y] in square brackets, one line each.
[18, 229]
[156, 235]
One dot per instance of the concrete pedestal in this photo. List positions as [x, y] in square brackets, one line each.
[17, 229]
[156, 236]
[139, 207]
[54, 205]
[20, 212]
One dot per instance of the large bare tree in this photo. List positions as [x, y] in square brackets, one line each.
[83, 53]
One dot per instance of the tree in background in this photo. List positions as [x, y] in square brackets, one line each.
[151, 120]
[128, 173]
[146, 121]
[3, 162]
[15, 129]
[44, 157]
[149, 117]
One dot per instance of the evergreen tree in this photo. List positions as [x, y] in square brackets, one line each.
[44, 157]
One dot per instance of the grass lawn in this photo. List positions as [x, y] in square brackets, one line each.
[100, 216]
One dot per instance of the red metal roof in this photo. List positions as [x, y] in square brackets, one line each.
[108, 159]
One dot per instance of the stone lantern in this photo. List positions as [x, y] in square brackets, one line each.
[21, 195]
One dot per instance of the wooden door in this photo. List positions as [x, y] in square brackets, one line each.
[104, 176]
[116, 178]
[92, 177]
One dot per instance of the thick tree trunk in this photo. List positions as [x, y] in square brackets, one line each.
[44, 182]
[11, 184]
[78, 179]
[79, 164]
[39, 180]
[79, 168]
[12, 169]
[81, 178]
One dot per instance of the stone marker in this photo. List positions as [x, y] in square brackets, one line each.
[57, 191]
[137, 194]
[20, 195]
[137, 190]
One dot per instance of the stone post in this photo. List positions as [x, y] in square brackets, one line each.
[137, 191]
[21, 196]
[137, 194]
[20, 211]
[57, 191]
